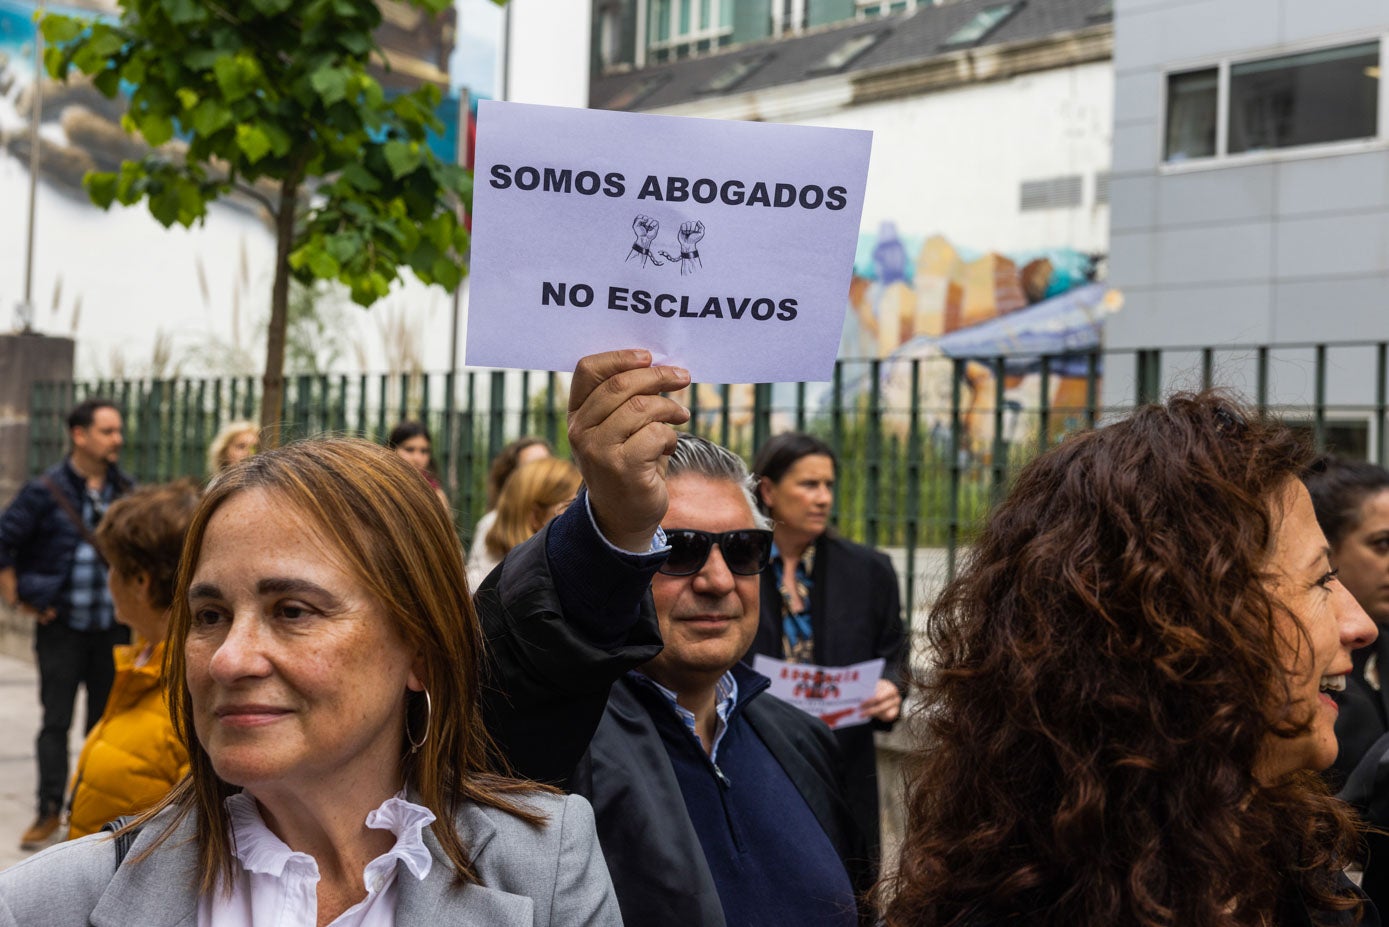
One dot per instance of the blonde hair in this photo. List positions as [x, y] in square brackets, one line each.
[217, 450]
[371, 508]
[533, 488]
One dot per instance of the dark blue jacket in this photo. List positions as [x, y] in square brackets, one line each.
[38, 538]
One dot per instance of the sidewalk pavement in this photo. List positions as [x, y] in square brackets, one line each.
[19, 725]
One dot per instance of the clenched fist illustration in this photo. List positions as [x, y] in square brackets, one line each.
[645, 228]
[691, 233]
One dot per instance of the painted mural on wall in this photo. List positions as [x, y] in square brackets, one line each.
[922, 297]
[926, 298]
[119, 280]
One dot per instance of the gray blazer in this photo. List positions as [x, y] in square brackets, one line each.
[548, 877]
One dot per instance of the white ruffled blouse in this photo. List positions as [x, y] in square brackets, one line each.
[275, 885]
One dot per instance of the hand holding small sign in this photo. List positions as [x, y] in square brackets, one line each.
[620, 432]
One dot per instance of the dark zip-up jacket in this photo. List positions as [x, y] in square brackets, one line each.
[556, 714]
[38, 538]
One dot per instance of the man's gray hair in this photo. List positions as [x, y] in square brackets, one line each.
[696, 456]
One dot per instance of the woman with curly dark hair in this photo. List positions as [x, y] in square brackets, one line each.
[1128, 697]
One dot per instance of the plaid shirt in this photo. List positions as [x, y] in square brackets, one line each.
[89, 605]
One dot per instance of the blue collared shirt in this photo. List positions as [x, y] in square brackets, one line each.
[725, 698]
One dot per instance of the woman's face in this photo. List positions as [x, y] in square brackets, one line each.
[1317, 657]
[297, 674]
[240, 447]
[415, 450]
[800, 501]
[1362, 557]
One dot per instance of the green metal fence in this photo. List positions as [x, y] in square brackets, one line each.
[925, 444]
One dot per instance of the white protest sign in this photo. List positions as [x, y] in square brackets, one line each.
[723, 247]
[831, 693]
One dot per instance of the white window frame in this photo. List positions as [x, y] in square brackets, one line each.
[700, 31]
[797, 16]
[1222, 157]
[866, 8]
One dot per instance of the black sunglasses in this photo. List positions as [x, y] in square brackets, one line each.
[746, 553]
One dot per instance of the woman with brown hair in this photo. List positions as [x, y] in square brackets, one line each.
[1127, 706]
[325, 678]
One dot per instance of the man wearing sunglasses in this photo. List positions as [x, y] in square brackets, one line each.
[715, 803]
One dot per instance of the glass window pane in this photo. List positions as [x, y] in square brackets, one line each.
[660, 23]
[1321, 96]
[1191, 105]
[980, 25]
[706, 14]
[685, 15]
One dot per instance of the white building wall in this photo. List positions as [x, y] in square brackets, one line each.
[952, 162]
[548, 60]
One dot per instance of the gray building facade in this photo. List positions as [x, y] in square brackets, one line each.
[1250, 193]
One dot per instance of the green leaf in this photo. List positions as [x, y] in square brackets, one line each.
[108, 82]
[236, 76]
[210, 117]
[280, 140]
[344, 245]
[323, 264]
[55, 62]
[359, 177]
[186, 98]
[184, 12]
[101, 188]
[331, 83]
[270, 7]
[355, 43]
[403, 157]
[104, 42]
[58, 29]
[157, 129]
[447, 274]
[203, 58]
[252, 141]
[165, 206]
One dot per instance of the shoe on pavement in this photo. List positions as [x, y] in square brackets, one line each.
[41, 833]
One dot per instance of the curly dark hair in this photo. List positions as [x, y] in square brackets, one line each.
[1106, 667]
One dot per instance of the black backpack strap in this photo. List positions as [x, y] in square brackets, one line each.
[123, 841]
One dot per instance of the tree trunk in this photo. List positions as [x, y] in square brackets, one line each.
[273, 384]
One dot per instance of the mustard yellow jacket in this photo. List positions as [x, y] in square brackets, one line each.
[131, 758]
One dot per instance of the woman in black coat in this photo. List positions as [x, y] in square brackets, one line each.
[829, 602]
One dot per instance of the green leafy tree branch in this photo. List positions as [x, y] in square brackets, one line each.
[274, 101]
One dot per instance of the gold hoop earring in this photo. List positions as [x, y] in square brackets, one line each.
[428, 721]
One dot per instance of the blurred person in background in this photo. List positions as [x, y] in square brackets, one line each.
[133, 757]
[52, 571]
[1352, 503]
[234, 443]
[520, 452]
[412, 442]
[828, 601]
[534, 494]
[1127, 711]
